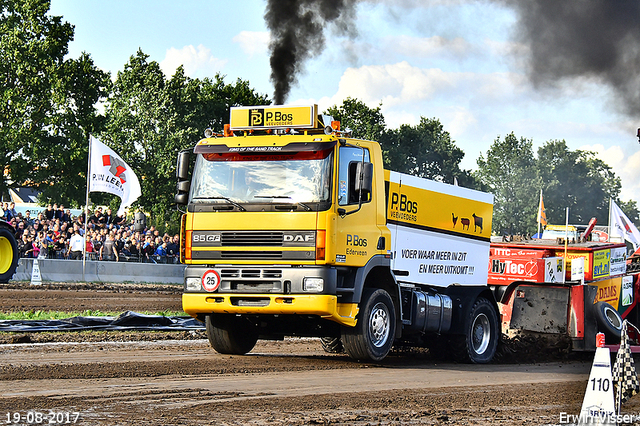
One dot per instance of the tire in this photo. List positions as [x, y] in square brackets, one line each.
[230, 334]
[332, 345]
[372, 337]
[8, 254]
[608, 319]
[482, 332]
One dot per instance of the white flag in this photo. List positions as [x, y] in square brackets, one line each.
[620, 227]
[109, 173]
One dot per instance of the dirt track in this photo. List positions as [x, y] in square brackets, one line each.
[164, 381]
[82, 297]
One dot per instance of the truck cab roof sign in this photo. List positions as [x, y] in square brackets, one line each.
[274, 117]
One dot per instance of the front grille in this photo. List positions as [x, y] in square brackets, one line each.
[251, 255]
[251, 239]
[268, 273]
[250, 273]
[251, 280]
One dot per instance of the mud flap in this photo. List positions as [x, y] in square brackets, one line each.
[540, 309]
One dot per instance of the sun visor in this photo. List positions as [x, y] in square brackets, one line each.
[291, 147]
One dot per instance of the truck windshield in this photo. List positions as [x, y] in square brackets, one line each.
[232, 178]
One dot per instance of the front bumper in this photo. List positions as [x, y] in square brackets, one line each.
[264, 279]
[322, 305]
[267, 290]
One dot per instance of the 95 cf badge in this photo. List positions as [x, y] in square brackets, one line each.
[210, 280]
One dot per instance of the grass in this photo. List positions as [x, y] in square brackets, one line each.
[53, 315]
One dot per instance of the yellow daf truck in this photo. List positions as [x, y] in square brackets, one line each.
[293, 228]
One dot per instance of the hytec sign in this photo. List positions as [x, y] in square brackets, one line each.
[507, 265]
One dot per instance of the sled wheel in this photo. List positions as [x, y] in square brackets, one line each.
[609, 320]
[332, 345]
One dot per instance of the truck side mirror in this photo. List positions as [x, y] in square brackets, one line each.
[182, 196]
[182, 199]
[183, 186]
[182, 167]
[364, 179]
[182, 173]
[140, 222]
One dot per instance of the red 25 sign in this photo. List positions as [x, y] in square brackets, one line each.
[211, 280]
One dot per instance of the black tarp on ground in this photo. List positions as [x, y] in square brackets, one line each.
[127, 321]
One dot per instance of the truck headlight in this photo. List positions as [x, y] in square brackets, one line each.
[315, 285]
[193, 284]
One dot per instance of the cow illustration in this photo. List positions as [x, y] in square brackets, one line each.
[465, 222]
[478, 222]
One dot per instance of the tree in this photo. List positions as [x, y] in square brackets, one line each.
[577, 180]
[33, 46]
[62, 155]
[425, 150]
[364, 122]
[510, 174]
[151, 118]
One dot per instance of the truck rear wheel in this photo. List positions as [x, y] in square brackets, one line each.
[230, 334]
[479, 343]
[8, 254]
[372, 337]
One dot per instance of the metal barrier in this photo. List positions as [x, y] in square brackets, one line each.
[65, 270]
[167, 259]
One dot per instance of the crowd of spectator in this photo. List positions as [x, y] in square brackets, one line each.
[55, 233]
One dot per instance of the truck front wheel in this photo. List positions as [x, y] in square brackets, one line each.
[479, 343]
[372, 337]
[231, 335]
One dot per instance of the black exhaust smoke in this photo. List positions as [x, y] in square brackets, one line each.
[297, 33]
[597, 39]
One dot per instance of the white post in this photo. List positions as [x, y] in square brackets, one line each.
[609, 224]
[566, 238]
[86, 215]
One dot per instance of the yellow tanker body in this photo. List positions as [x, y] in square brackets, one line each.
[293, 228]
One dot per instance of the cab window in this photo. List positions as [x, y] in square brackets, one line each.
[349, 158]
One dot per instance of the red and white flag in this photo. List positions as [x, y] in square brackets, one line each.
[621, 228]
[109, 173]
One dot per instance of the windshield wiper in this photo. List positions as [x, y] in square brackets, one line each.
[290, 206]
[306, 206]
[227, 199]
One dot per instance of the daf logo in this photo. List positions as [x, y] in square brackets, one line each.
[298, 238]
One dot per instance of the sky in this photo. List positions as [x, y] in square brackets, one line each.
[459, 61]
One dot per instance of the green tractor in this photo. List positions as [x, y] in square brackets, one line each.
[8, 252]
